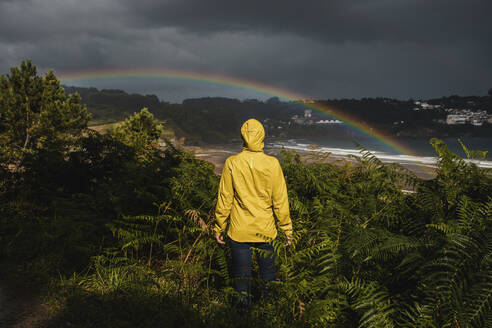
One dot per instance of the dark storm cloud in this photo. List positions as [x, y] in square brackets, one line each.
[318, 48]
[329, 21]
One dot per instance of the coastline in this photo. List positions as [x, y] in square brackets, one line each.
[217, 154]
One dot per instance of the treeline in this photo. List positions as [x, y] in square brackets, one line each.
[398, 118]
[217, 119]
[115, 232]
[113, 104]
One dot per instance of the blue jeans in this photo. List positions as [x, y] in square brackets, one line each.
[241, 267]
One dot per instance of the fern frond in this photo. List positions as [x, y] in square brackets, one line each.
[371, 301]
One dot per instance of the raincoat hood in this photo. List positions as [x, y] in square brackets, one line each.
[253, 135]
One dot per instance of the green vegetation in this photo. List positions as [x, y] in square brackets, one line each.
[36, 115]
[115, 232]
[217, 119]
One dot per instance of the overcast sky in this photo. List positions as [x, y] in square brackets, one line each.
[323, 49]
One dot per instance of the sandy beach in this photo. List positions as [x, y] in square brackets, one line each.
[217, 154]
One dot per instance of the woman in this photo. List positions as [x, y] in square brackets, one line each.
[252, 188]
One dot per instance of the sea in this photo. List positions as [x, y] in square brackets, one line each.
[419, 152]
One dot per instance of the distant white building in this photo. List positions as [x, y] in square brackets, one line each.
[456, 119]
[463, 116]
[307, 113]
[425, 105]
[298, 120]
[476, 121]
[329, 122]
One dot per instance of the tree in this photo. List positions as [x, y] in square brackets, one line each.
[140, 132]
[35, 113]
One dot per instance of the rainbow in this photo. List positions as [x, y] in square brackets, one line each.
[352, 122]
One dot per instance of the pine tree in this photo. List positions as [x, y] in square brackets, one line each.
[140, 132]
[35, 114]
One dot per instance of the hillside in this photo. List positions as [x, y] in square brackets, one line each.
[217, 119]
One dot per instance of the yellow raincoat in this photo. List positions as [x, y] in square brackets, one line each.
[252, 188]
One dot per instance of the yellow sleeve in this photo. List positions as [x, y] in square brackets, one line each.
[281, 201]
[224, 199]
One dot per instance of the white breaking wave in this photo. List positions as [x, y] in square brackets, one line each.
[385, 157]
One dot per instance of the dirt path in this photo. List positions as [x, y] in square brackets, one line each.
[19, 309]
[3, 309]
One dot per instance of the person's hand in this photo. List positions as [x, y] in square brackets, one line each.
[220, 239]
[289, 242]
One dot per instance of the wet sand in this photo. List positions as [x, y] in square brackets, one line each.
[217, 154]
